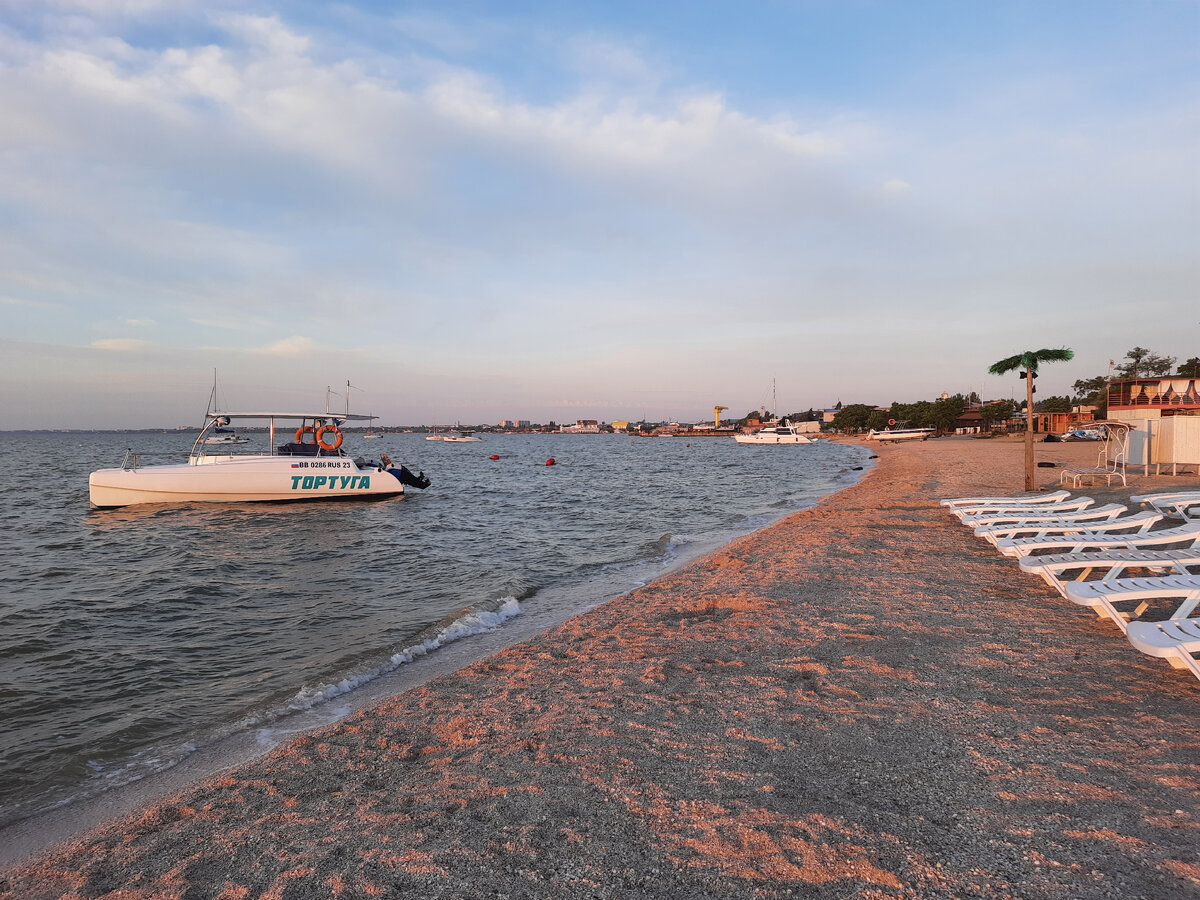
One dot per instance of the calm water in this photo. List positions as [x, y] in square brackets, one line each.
[132, 637]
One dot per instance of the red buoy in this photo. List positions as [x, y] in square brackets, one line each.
[493, 456]
[550, 461]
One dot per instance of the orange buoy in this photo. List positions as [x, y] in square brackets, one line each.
[493, 456]
[550, 461]
[328, 429]
[301, 432]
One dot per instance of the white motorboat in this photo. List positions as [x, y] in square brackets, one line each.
[902, 434]
[225, 436]
[463, 437]
[783, 433]
[311, 466]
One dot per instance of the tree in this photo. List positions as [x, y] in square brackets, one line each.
[1054, 405]
[1093, 392]
[853, 417]
[1189, 367]
[1028, 363]
[998, 411]
[947, 410]
[1144, 363]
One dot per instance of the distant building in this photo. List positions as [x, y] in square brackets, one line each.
[1134, 399]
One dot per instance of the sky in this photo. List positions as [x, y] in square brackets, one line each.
[553, 211]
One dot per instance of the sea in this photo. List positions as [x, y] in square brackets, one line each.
[135, 640]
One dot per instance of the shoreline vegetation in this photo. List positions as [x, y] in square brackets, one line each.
[861, 700]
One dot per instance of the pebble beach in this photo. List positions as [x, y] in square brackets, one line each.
[860, 701]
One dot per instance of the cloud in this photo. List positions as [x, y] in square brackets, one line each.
[895, 187]
[123, 345]
[295, 346]
[139, 323]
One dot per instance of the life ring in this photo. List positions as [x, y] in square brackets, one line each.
[891, 421]
[321, 433]
[301, 432]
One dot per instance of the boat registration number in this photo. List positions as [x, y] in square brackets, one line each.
[325, 464]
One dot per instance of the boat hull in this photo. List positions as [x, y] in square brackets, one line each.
[772, 439]
[918, 434]
[241, 479]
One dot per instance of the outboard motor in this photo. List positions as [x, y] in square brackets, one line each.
[404, 476]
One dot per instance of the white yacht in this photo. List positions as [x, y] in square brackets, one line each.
[310, 466]
[463, 437]
[782, 433]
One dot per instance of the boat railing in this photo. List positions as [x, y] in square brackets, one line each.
[131, 459]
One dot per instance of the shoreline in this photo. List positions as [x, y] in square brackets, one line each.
[48, 828]
[860, 699]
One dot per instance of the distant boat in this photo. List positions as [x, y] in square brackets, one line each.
[225, 436]
[902, 434]
[372, 435]
[783, 433]
[463, 437]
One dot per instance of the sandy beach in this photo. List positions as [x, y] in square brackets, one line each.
[863, 700]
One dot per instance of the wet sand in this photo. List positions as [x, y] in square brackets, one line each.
[863, 700]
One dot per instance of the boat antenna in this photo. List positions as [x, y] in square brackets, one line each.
[349, 388]
[212, 398]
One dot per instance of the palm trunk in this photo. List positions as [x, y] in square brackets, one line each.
[1029, 430]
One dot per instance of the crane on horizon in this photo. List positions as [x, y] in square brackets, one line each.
[717, 415]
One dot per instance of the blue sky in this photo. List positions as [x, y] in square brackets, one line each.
[556, 211]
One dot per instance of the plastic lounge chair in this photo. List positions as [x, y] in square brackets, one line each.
[1110, 464]
[965, 512]
[1111, 511]
[1175, 640]
[993, 534]
[1114, 563]
[1177, 505]
[1103, 595]
[1184, 535]
[1053, 497]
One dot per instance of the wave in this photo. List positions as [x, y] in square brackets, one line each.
[483, 618]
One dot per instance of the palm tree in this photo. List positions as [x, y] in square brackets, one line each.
[1028, 362]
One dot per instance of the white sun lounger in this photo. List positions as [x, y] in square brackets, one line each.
[1184, 535]
[1177, 505]
[1066, 506]
[1113, 563]
[1052, 497]
[1176, 640]
[994, 534]
[1110, 511]
[1102, 596]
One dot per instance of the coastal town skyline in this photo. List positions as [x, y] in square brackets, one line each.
[610, 212]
